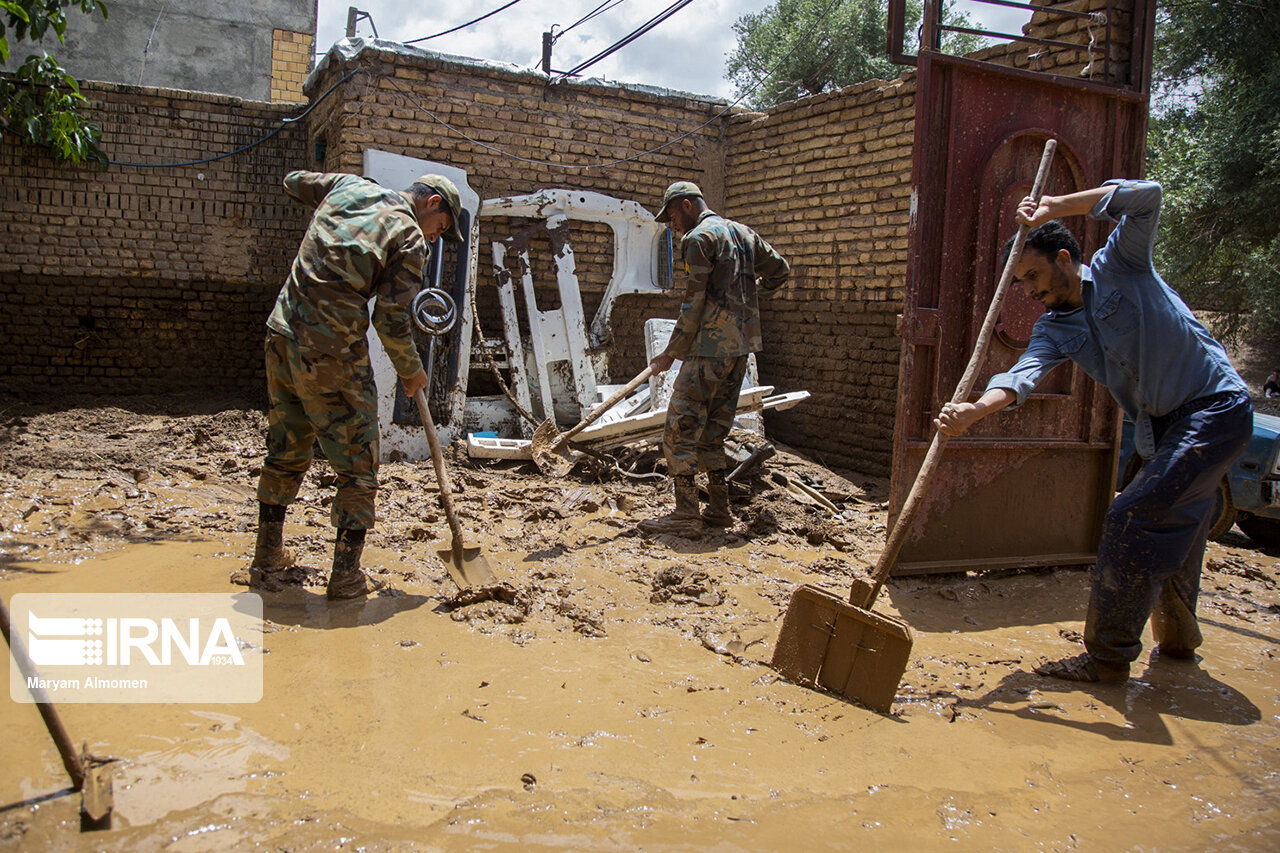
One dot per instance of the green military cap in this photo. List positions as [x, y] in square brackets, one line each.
[443, 187]
[680, 189]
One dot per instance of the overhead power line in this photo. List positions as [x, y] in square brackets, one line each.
[464, 26]
[599, 10]
[628, 38]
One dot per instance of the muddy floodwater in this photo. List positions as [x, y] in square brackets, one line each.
[616, 695]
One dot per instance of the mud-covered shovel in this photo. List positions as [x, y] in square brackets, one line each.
[845, 647]
[467, 566]
[89, 775]
[551, 451]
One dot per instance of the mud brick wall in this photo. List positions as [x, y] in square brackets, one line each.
[147, 280]
[827, 181]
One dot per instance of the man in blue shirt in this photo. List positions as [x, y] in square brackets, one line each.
[1131, 332]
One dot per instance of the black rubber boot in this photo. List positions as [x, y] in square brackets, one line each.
[269, 553]
[717, 512]
[346, 580]
[684, 519]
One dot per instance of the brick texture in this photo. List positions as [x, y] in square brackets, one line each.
[290, 64]
[147, 280]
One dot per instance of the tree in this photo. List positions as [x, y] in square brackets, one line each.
[819, 45]
[40, 102]
[1214, 142]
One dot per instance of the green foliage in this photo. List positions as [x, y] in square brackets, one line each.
[1214, 142]
[820, 45]
[40, 103]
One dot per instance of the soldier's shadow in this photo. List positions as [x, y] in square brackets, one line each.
[1180, 689]
[309, 608]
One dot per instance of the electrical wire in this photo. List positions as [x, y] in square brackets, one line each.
[463, 26]
[821, 20]
[147, 49]
[599, 10]
[284, 122]
[628, 38]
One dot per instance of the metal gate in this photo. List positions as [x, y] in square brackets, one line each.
[1029, 486]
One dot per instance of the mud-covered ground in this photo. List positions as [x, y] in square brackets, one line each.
[617, 695]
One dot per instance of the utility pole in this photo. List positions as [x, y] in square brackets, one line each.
[354, 16]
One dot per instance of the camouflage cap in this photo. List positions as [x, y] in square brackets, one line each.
[443, 187]
[680, 189]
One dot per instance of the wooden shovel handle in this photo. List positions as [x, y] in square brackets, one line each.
[52, 722]
[437, 459]
[602, 408]
[903, 523]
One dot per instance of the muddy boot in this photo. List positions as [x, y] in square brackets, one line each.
[346, 580]
[269, 553]
[1084, 667]
[684, 519]
[717, 512]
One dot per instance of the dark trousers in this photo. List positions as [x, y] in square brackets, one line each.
[1153, 539]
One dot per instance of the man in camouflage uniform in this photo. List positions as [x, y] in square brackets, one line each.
[719, 325]
[364, 241]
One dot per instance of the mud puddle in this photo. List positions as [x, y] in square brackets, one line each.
[615, 696]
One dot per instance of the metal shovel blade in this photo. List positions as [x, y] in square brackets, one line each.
[467, 566]
[829, 643]
[552, 456]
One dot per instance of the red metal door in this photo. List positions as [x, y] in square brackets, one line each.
[1029, 486]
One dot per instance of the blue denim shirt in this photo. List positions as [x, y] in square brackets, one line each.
[1134, 334]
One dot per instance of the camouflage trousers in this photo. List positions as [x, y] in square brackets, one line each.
[700, 414]
[333, 400]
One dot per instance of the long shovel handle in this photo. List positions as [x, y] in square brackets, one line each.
[52, 722]
[602, 408]
[899, 533]
[442, 479]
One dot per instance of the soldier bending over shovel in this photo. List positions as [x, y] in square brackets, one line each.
[364, 241]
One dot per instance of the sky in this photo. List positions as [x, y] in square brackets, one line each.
[686, 52]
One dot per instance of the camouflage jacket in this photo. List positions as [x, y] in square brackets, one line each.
[719, 317]
[364, 241]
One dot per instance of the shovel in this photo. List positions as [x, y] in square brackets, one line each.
[467, 566]
[551, 449]
[846, 647]
[90, 775]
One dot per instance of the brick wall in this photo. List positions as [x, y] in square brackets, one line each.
[147, 280]
[827, 181]
[290, 64]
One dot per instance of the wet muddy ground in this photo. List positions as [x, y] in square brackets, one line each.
[617, 697]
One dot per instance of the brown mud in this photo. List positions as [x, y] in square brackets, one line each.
[614, 694]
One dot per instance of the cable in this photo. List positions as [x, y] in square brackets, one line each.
[599, 10]
[147, 49]
[821, 20]
[463, 26]
[284, 122]
[628, 39]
